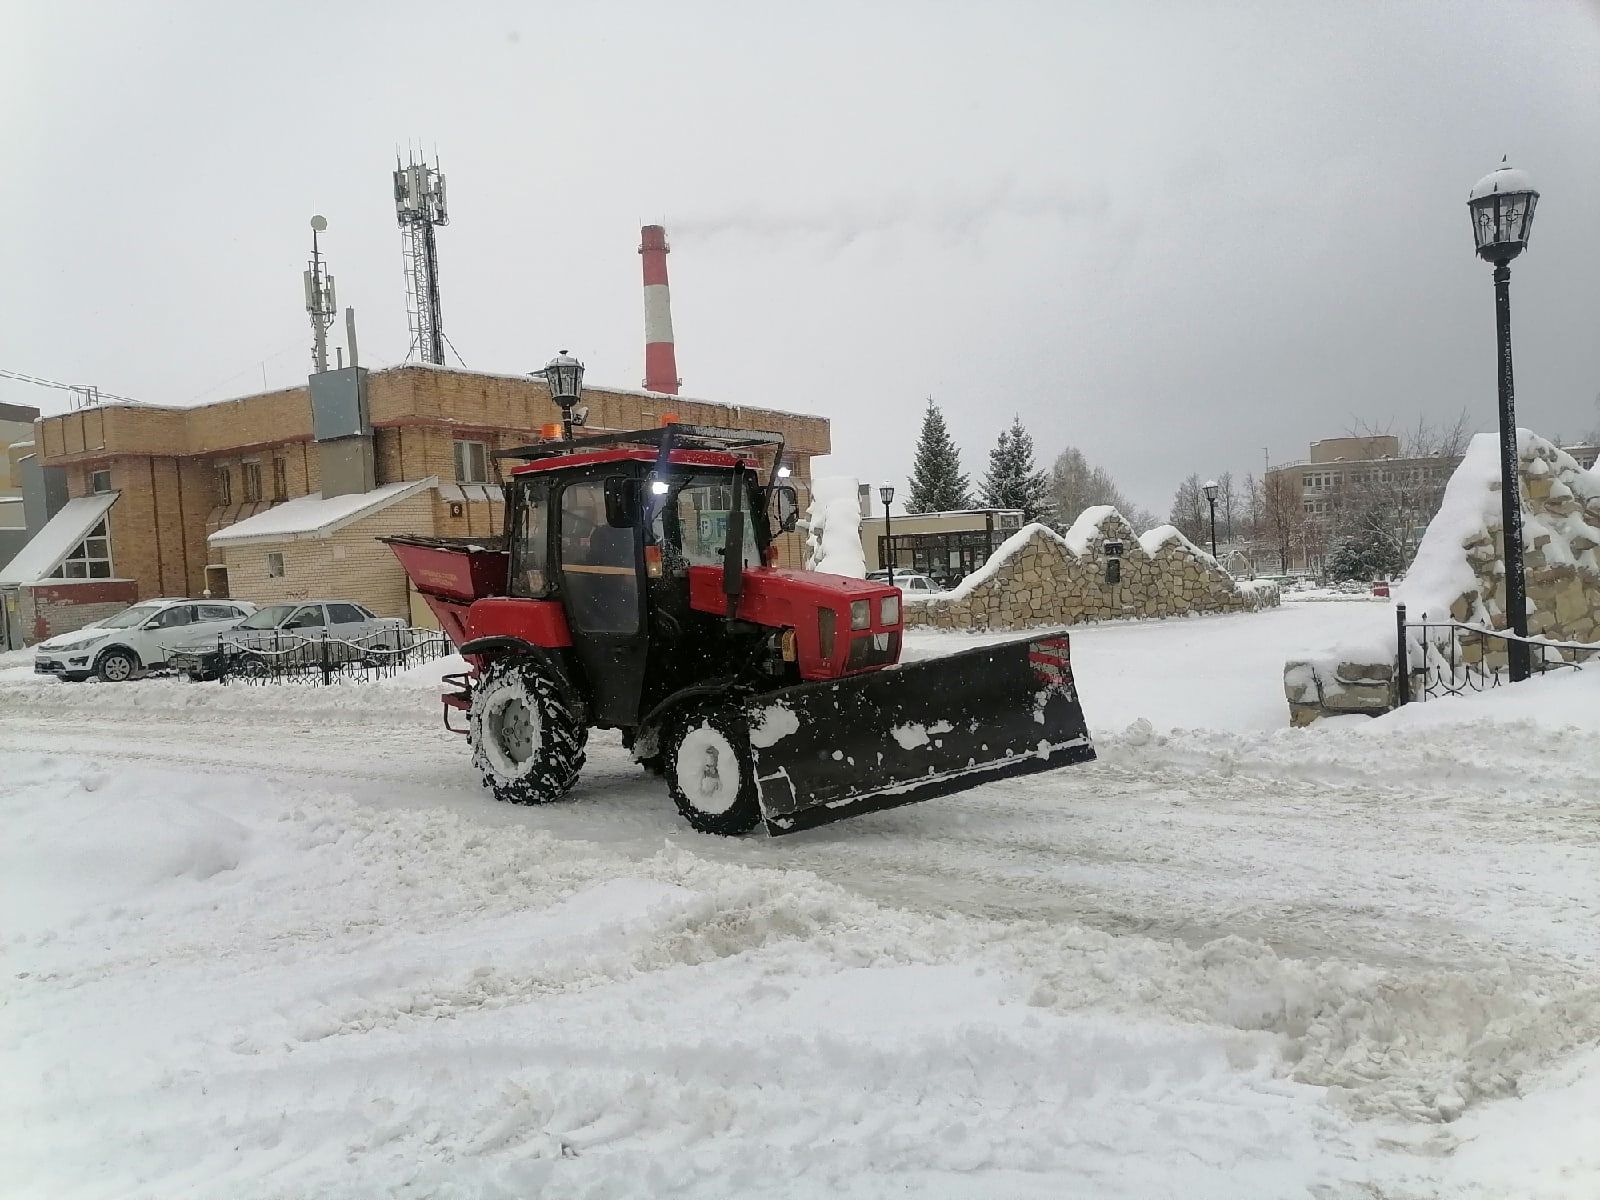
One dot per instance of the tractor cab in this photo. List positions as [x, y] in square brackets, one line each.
[616, 537]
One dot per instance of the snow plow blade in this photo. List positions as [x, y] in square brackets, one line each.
[827, 751]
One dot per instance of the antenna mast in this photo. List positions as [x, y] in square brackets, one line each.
[320, 301]
[419, 205]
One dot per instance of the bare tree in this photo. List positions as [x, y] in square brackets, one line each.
[1189, 510]
[1076, 484]
[1428, 440]
[1227, 503]
[1283, 514]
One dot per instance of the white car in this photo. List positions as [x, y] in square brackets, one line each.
[909, 582]
[141, 638]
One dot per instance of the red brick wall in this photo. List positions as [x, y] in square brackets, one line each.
[48, 609]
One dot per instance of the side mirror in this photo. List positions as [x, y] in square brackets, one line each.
[622, 502]
[788, 506]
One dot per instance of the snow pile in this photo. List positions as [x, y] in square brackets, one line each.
[1458, 577]
[834, 543]
[1458, 569]
[306, 955]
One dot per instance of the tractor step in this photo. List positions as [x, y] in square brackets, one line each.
[836, 749]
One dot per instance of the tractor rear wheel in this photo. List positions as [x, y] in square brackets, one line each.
[526, 739]
[710, 773]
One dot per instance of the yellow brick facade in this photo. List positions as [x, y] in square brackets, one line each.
[349, 564]
[167, 465]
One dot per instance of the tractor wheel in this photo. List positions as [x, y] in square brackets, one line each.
[116, 665]
[525, 738]
[709, 771]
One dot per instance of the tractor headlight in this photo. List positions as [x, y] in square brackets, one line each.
[860, 614]
[826, 620]
[889, 611]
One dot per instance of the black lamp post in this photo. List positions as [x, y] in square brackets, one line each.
[564, 375]
[1501, 207]
[886, 494]
[1211, 499]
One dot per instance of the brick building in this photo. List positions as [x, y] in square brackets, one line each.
[228, 498]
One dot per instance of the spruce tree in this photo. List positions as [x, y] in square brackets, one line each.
[937, 484]
[1013, 481]
[1368, 552]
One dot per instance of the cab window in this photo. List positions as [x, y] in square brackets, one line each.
[530, 540]
[691, 522]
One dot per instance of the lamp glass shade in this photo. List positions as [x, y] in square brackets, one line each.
[1501, 208]
[564, 374]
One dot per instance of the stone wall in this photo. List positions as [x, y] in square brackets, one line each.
[1459, 577]
[1041, 578]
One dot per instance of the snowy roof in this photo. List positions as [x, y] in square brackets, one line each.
[1502, 179]
[59, 537]
[312, 516]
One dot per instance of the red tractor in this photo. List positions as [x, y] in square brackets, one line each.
[633, 590]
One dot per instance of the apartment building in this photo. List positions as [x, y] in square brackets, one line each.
[280, 496]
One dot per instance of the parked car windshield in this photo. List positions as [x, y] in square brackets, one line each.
[129, 617]
[268, 617]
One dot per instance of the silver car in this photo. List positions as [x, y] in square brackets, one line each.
[288, 634]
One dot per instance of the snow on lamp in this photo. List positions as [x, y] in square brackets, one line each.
[1501, 206]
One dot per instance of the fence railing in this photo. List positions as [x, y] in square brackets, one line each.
[283, 656]
[1452, 658]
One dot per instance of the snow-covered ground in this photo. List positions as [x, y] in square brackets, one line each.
[276, 942]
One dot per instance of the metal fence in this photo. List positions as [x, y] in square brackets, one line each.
[282, 656]
[1450, 658]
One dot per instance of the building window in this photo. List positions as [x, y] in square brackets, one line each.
[472, 462]
[91, 559]
[224, 486]
[250, 475]
[274, 564]
[280, 479]
[100, 481]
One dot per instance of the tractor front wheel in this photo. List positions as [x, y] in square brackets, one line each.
[526, 740]
[709, 771]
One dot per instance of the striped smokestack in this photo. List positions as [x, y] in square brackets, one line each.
[660, 356]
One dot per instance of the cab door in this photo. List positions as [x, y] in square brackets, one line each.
[601, 571]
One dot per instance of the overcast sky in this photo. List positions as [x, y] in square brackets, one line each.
[1171, 234]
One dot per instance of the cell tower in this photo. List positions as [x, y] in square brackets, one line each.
[419, 205]
[320, 301]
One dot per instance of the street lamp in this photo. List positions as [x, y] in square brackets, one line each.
[1501, 207]
[886, 494]
[1210, 486]
[564, 375]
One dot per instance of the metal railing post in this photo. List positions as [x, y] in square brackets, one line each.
[1402, 668]
[327, 670]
